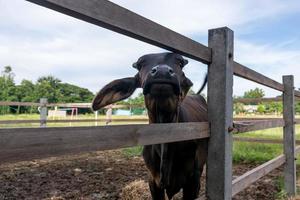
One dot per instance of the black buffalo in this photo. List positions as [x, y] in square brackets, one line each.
[173, 166]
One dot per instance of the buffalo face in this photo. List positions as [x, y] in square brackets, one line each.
[164, 84]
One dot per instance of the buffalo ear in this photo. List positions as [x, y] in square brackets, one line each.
[184, 62]
[186, 85]
[115, 91]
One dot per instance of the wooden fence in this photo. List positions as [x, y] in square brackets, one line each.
[19, 144]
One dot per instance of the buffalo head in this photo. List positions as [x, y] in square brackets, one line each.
[163, 82]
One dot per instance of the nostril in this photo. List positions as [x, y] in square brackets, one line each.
[153, 70]
[171, 71]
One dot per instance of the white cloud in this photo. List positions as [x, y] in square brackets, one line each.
[36, 41]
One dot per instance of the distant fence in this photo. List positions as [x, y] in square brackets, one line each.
[43, 108]
[20, 144]
[65, 105]
[260, 100]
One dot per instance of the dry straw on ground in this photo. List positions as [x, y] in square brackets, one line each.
[138, 190]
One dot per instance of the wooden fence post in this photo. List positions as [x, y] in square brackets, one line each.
[220, 107]
[43, 112]
[289, 136]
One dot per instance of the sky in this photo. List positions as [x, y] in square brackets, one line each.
[37, 41]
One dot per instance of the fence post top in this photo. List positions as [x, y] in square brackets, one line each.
[43, 101]
[225, 28]
[288, 76]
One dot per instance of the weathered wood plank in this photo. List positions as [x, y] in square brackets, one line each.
[289, 135]
[257, 100]
[12, 103]
[220, 106]
[249, 119]
[242, 182]
[260, 100]
[297, 93]
[260, 140]
[246, 126]
[71, 120]
[67, 105]
[247, 73]
[237, 120]
[43, 112]
[116, 18]
[31, 143]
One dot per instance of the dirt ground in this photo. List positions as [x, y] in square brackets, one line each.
[98, 175]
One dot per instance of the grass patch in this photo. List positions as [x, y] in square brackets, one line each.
[281, 195]
[245, 152]
[132, 151]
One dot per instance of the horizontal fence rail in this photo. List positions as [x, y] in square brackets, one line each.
[297, 93]
[71, 121]
[247, 126]
[31, 143]
[260, 100]
[66, 105]
[257, 100]
[254, 120]
[12, 103]
[261, 140]
[253, 175]
[240, 125]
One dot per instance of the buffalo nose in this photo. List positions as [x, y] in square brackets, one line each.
[154, 71]
[162, 71]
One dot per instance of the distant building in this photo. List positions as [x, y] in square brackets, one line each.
[250, 108]
[122, 112]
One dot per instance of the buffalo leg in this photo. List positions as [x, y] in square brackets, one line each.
[157, 193]
[192, 187]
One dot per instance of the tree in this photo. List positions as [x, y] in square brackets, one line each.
[254, 93]
[274, 107]
[298, 108]
[71, 93]
[238, 108]
[25, 91]
[7, 88]
[47, 87]
[7, 85]
[261, 109]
